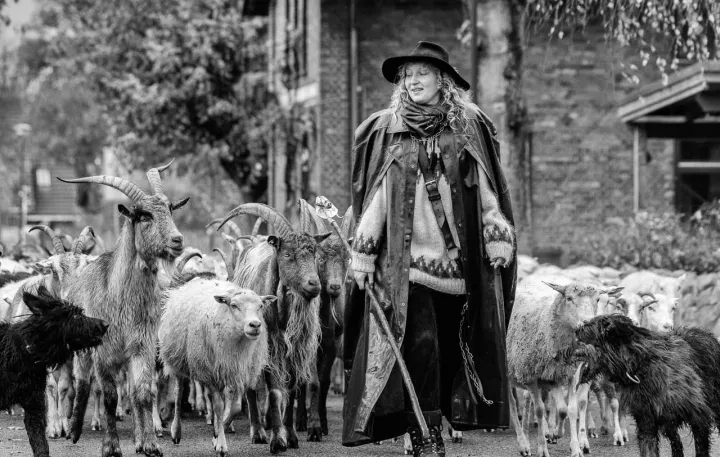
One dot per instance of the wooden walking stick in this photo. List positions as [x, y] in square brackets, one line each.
[327, 211]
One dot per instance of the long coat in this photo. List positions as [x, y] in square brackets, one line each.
[374, 402]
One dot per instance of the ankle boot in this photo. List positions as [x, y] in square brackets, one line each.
[432, 446]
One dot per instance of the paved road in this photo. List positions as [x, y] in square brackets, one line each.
[197, 442]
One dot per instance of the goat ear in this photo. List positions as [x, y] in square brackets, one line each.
[268, 299]
[125, 212]
[321, 238]
[613, 291]
[179, 203]
[556, 288]
[273, 241]
[228, 238]
[224, 299]
[44, 267]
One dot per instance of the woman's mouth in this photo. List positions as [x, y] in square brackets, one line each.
[416, 90]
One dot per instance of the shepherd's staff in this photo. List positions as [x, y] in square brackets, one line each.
[326, 210]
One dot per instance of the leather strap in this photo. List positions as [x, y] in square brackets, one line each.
[431, 185]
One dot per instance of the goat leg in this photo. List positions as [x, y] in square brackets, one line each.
[257, 431]
[301, 413]
[82, 368]
[111, 441]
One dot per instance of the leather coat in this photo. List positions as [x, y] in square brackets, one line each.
[374, 400]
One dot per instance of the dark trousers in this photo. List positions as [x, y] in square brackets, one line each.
[431, 350]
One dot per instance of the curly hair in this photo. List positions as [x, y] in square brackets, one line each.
[453, 97]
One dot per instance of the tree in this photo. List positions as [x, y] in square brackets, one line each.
[686, 27]
[177, 78]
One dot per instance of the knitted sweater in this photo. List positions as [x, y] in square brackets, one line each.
[430, 264]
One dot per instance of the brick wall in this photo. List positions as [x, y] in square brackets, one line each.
[335, 102]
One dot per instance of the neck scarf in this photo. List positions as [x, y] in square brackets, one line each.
[425, 124]
[423, 120]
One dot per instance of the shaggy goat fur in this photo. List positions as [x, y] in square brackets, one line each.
[283, 266]
[204, 335]
[332, 264]
[7, 277]
[668, 379]
[28, 348]
[122, 286]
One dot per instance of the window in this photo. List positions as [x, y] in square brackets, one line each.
[697, 178]
[42, 177]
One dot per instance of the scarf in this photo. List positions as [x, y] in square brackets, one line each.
[424, 122]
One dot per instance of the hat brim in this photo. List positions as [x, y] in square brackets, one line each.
[390, 68]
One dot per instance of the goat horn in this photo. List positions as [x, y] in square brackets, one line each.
[79, 245]
[213, 222]
[233, 226]
[642, 294]
[181, 264]
[632, 378]
[134, 192]
[256, 227]
[228, 267]
[153, 176]
[270, 214]
[56, 241]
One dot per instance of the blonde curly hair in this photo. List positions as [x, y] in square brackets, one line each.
[454, 98]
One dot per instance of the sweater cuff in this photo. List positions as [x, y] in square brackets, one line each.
[498, 243]
[364, 263]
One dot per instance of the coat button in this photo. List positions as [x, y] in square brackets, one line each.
[402, 305]
[407, 237]
[412, 166]
[459, 224]
[454, 191]
[410, 201]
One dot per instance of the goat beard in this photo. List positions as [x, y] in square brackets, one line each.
[302, 336]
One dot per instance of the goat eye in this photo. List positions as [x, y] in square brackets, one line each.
[287, 254]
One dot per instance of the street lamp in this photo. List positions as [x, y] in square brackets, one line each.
[22, 131]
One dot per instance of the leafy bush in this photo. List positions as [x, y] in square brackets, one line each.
[667, 241]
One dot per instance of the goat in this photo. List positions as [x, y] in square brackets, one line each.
[668, 379]
[284, 265]
[332, 263]
[540, 331]
[122, 286]
[48, 337]
[213, 331]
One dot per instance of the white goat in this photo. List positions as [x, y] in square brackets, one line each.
[540, 334]
[213, 331]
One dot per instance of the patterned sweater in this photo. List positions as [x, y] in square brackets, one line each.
[430, 264]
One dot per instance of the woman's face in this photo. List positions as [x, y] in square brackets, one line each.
[421, 82]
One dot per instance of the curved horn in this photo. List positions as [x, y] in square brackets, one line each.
[256, 227]
[153, 176]
[56, 241]
[177, 274]
[270, 214]
[213, 222]
[79, 244]
[634, 379]
[233, 226]
[134, 192]
[228, 266]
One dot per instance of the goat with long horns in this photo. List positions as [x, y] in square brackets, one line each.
[122, 287]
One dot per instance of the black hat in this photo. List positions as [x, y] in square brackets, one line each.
[425, 51]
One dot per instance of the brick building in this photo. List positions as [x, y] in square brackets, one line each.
[582, 152]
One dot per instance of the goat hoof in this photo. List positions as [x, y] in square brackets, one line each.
[457, 440]
[96, 428]
[111, 448]
[292, 442]
[258, 440]
[315, 434]
[325, 430]
[604, 430]
[276, 446]
[151, 450]
[301, 427]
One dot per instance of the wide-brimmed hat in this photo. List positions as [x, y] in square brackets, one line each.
[425, 51]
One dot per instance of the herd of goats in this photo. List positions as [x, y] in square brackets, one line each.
[138, 324]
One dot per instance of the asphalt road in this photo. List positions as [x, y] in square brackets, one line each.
[197, 442]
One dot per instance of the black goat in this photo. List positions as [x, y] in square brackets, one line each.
[668, 379]
[28, 348]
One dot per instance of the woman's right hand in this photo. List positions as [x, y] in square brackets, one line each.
[361, 276]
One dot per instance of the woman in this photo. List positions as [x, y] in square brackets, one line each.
[434, 237]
